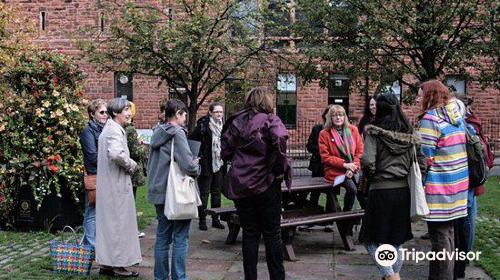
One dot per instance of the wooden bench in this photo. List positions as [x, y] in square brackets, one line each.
[227, 214]
[291, 219]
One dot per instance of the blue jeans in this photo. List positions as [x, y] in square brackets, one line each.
[89, 223]
[471, 216]
[386, 270]
[168, 231]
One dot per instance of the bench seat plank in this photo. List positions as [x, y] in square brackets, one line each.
[319, 218]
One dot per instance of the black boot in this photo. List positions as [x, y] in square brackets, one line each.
[203, 224]
[216, 223]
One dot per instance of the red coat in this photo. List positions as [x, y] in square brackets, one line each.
[331, 156]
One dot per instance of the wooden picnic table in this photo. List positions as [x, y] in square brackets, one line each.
[303, 215]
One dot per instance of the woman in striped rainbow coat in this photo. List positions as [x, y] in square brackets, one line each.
[446, 184]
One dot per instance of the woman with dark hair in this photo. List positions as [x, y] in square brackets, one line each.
[443, 143]
[175, 232]
[390, 146]
[208, 132]
[368, 115]
[368, 118]
[117, 235]
[315, 164]
[254, 141]
[98, 116]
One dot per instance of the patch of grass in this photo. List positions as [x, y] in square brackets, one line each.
[488, 203]
[143, 206]
[41, 269]
[487, 239]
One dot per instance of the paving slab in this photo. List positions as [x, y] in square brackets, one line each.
[320, 256]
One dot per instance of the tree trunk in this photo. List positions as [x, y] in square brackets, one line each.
[192, 116]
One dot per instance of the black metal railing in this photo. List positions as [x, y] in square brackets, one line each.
[296, 147]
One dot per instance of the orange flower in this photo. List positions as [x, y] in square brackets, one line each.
[53, 168]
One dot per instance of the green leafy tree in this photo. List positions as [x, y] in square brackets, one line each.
[16, 33]
[411, 41]
[193, 47]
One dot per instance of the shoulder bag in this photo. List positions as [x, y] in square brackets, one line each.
[418, 207]
[90, 182]
[181, 198]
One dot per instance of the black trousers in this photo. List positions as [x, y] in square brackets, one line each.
[209, 185]
[261, 214]
[442, 237]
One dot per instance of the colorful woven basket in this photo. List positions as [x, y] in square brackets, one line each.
[71, 258]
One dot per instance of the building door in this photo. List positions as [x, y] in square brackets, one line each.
[124, 86]
[338, 91]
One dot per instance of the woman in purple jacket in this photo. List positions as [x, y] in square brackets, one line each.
[254, 141]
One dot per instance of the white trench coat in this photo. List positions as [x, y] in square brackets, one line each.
[117, 236]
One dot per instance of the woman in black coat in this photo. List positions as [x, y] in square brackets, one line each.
[98, 116]
[315, 164]
[208, 132]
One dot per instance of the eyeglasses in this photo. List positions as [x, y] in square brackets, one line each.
[103, 112]
[338, 115]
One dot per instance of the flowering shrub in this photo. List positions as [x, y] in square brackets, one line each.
[41, 116]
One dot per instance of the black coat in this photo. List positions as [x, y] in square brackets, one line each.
[203, 134]
[88, 140]
[312, 146]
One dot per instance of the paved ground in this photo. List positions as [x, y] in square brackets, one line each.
[319, 258]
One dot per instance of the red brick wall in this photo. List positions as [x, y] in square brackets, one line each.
[63, 18]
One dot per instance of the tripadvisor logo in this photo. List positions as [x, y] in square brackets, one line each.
[387, 255]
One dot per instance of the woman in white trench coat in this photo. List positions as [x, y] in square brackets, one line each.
[117, 241]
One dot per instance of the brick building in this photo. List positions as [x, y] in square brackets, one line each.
[297, 104]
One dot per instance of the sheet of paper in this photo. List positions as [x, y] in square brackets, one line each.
[339, 180]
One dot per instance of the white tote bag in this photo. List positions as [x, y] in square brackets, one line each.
[419, 206]
[181, 198]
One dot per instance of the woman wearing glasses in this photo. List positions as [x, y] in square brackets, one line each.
[98, 116]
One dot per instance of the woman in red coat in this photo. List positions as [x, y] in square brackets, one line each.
[340, 147]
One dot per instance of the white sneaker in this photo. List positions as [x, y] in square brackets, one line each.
[141, 234]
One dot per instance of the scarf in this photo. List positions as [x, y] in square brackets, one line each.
[216, 129]
[344, 142]
[96, 125]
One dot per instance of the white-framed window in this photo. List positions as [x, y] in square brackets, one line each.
[456, 84]
[175, 91]
[286, 99]
[394, 88]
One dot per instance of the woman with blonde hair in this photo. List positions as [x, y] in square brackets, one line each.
[340, 147]
[254, 141]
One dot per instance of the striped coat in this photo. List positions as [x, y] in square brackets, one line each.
[443, 144]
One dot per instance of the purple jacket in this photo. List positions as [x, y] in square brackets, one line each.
[256, 146]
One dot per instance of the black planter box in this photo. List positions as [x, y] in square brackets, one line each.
[55, 212]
